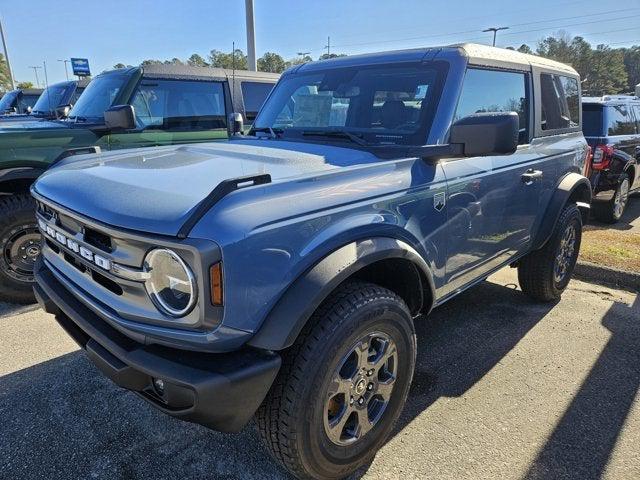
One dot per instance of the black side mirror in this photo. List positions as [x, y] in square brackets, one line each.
[120, 117]
[491, 133]
[236, 124]
[63, 111]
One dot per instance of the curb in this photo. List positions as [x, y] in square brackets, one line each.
[607, 276]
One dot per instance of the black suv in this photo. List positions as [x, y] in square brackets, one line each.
[611, 125]
[54, 102]
[20, 100]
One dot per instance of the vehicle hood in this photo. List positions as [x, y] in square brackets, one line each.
[30, 124]
[154, 190]
[16, 117]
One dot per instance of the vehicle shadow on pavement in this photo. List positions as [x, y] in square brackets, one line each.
[584, 438]
[62, 419]
[11, 309]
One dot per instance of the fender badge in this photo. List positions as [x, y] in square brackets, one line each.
[439, 201]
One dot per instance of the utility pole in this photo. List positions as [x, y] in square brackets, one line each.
[6, 56]
[495, 30]
[328, 46]
[251, 36]
[35, 70]
[66, 72]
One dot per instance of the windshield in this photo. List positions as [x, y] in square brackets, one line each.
[379, 105]
[97, 97]
[53, 97]
[8, 100]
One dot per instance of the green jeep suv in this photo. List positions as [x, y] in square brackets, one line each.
[165, 104]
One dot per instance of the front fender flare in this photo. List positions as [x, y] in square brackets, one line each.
[10, 177]
[290, 314]
[573, 186]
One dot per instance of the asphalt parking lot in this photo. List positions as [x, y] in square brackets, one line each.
[504, 388]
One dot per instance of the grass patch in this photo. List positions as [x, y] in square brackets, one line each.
[611, 248]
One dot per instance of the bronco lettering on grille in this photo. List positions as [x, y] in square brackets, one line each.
[74, 246]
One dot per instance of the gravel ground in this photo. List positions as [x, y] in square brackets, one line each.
[504, 388]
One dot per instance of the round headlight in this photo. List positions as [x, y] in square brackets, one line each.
[171, 285]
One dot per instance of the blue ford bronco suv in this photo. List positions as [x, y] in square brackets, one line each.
[279, 274]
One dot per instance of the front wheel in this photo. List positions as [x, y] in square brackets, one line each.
[544, 274]
[20, 246]
[342, 385]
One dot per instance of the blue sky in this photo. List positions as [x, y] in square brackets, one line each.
[112, 31]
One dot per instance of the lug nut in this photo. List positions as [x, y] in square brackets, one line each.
[360, 401]
[370, 372]
[351, 401]
[370, 386]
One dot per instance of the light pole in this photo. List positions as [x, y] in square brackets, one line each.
[303, 54]
[495, 30]
[66, 72]
[251, 36]
[6, 57]
[35, 70]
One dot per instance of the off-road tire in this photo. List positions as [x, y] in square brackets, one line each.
[16, 212]
[606, 212]
[536, 270]
[290, 420]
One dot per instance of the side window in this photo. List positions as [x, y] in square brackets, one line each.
[560, 102]
[27, 101]
[620, 121]
[254, 95]
[495, 91]
[179, 105]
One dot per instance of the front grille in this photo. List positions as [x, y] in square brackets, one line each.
[69, 239]
[98, 239]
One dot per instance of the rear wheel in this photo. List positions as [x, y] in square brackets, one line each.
[544, 274]
[612, 211]
[20, 246]
[342, 385]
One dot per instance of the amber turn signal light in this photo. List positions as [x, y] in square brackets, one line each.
[215, 277]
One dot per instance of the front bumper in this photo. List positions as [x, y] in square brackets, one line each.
[219, 391]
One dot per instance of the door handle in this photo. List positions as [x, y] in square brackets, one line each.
[531, 176]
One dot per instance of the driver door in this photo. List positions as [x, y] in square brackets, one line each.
[491, 210]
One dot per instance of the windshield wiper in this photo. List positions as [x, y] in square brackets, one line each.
[336, 134]
[273, 132]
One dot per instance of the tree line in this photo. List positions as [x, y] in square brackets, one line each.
[269, 62]
[603, 70]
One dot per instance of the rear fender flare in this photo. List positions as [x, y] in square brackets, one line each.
[294, 308]
[573, 187]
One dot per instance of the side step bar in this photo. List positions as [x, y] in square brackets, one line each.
[223, 189]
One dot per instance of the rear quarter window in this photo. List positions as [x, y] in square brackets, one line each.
[620, 121]
[560, 102]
